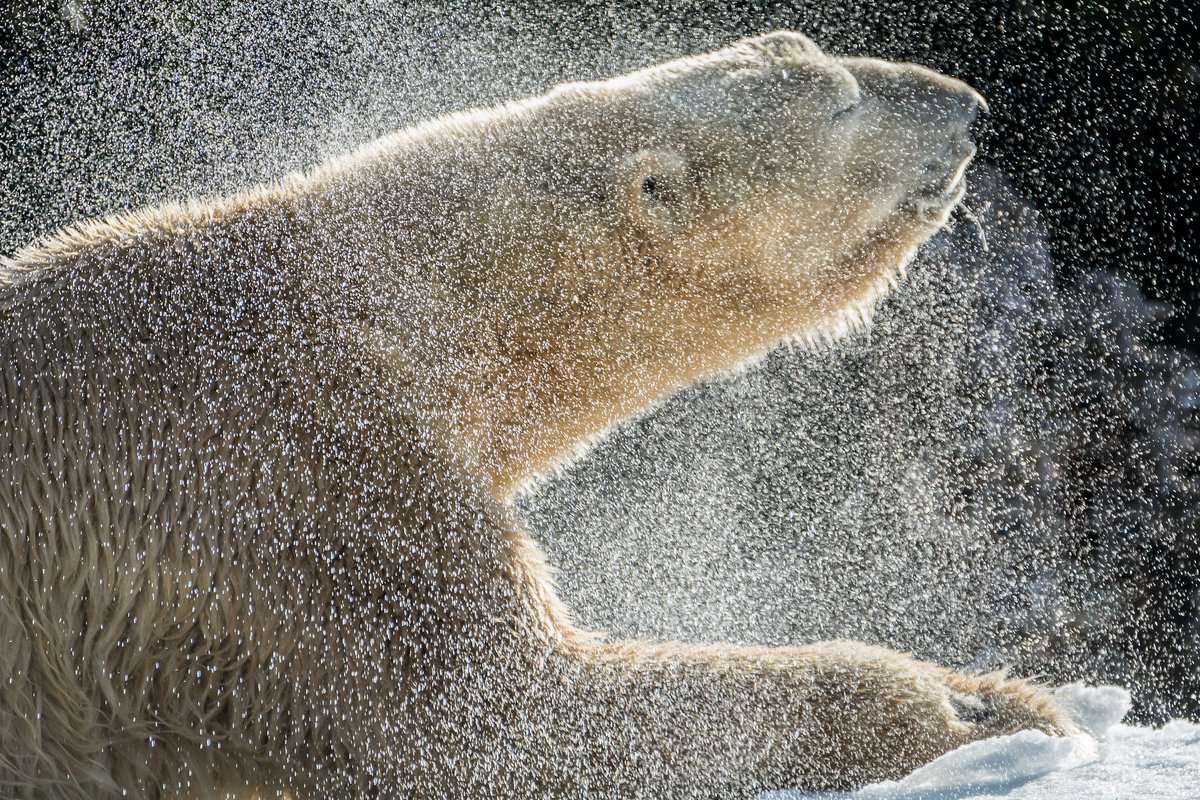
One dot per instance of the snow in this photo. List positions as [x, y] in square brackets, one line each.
[1107, 761]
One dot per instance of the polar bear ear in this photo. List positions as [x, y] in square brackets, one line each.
[656, 188]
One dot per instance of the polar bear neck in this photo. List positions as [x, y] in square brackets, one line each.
[552, 339]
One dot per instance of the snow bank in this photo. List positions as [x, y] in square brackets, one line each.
[1109, 761]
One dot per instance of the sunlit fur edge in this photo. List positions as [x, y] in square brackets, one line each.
[856, 318]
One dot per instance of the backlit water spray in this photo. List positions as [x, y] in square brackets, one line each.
[1001, 472]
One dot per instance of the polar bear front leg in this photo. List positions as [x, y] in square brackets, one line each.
[721, 721]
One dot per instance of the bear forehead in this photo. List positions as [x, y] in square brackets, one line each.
[767, 55]
[750, 82]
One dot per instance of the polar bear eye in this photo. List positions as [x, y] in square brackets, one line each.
[652, 188]
[659, 188]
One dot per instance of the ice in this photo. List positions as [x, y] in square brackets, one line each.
[1107, 761]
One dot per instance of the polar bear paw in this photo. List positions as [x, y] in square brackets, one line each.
[994, 705]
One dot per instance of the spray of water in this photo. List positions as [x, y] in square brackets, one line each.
[1000, 472]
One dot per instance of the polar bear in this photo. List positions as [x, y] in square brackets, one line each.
[257, 537]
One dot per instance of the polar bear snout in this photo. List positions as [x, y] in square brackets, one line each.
[918, 93]
[918, 123]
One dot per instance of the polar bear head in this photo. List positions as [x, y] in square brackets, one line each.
[618, 239]
[793, 186]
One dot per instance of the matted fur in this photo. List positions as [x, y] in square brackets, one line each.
[255, 531]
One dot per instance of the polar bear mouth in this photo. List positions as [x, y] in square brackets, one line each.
[942, 187]
[943, 181]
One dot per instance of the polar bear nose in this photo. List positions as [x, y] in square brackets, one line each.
[940, 98]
